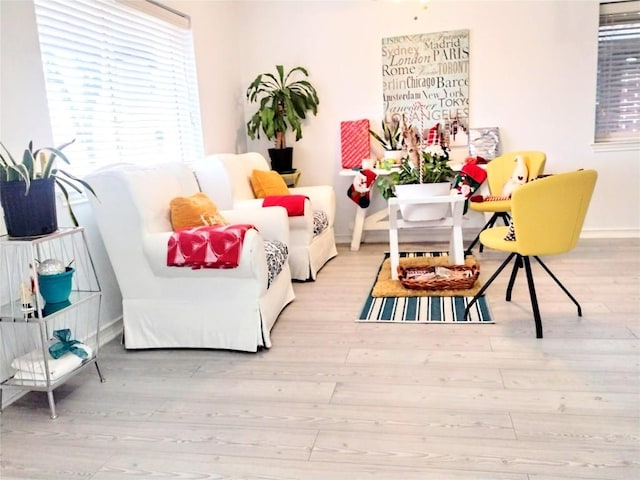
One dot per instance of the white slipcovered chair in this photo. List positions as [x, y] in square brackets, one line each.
[225, 178]
[171, 307]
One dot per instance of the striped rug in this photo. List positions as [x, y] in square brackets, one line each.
[431, 309]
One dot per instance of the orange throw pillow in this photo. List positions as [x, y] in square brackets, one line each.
[266, 183]
[194, 211]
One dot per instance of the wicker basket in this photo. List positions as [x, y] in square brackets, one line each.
[446, 277]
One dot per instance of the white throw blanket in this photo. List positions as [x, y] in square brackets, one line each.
[31, 366]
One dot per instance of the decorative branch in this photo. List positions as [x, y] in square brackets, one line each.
[411, 142]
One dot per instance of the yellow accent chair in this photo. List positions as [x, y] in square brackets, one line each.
[548, 215]
[499, 171]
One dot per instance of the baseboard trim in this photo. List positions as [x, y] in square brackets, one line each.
[603, 233]
[382, 236]
[111, 330]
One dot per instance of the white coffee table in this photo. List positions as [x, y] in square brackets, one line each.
[452, 220]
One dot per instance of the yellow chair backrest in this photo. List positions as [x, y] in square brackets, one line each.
[500, 169]
[548, 213]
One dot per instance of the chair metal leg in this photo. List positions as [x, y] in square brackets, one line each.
[514, 273]
[532, 294]
[494, 218]
[546, 269]
[52, 405]
[491, 221]
[490, 224]
[102, 379]
[486, 285]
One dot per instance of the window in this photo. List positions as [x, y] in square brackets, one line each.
[618, 91]
[120, 79]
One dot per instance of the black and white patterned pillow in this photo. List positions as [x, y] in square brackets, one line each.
[320, 222]
[511, 234]
[277, 253]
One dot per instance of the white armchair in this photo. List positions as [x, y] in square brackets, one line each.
[225, 178]
[170, 307]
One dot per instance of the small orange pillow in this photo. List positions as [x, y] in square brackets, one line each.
[194, 211]
[266, 183]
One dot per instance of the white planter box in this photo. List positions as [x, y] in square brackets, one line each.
[394, 155]
[424, 212]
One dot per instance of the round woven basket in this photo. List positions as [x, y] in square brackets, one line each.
[460, 277]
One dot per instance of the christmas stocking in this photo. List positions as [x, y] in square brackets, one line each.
[359, 190]
[469, 180]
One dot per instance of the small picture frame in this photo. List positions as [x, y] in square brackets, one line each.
[484, 142]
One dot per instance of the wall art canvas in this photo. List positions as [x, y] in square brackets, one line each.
[426, 79]
[484, 142]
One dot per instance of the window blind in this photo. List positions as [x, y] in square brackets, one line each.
[120, 81]
[618, 90]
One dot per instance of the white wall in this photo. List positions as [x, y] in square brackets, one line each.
[218, 57]
[24, 114]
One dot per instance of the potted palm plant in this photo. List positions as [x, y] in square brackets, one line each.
[27, 190]
[283, 104]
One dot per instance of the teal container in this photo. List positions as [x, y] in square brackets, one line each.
[50, 308]
[56, 288]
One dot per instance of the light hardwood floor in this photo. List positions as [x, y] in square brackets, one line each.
[336, 399]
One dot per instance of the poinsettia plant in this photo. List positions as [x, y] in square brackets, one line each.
[433, 167]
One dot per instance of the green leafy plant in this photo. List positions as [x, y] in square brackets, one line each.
[435, 169]
[38, 164]
[284, 103]
[391, 137]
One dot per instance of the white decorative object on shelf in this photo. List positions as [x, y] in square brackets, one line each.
[26, 298]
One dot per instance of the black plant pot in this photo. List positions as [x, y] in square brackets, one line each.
[32, 215]
[281, 159]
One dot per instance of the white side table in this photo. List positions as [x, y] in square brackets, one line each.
[291, 179]
[367, 221]
[454, 221]
[363, 219]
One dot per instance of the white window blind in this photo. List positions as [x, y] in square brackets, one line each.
[618, 91]
[120, 81]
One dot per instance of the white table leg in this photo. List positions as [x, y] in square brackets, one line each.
[456, 246]
[358, 227]
[394, 254]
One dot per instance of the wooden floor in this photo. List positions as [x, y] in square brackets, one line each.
[336, 399]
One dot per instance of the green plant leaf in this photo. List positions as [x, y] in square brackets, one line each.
[72, 181]
[435, 169]
[28, 162]
[65, 193]
[391, 138]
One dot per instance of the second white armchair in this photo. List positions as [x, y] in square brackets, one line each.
[226, 179]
